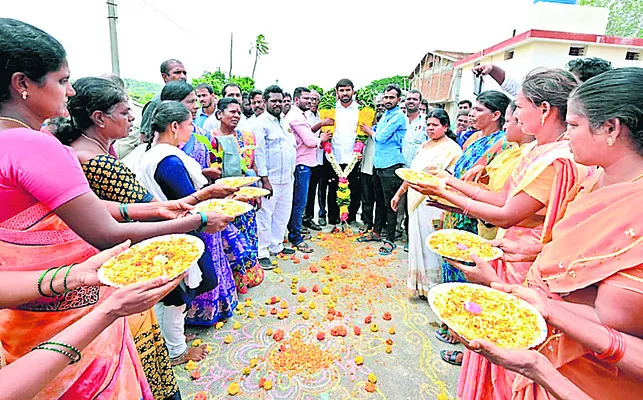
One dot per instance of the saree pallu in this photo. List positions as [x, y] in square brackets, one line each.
[241, 248]
[598, 241]
[499, 171]
[478, 152]
[217, 304]
[479, 378]
[36, 239]
[424, 264]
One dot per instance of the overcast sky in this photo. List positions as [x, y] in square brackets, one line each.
[310, 42]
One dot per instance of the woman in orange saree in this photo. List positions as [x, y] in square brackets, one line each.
[545, 176]
[592, 270]
[51, 218]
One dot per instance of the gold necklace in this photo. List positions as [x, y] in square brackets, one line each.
[16, 121]
[95, 141]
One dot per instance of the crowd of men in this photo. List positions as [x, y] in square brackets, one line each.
[291, 163]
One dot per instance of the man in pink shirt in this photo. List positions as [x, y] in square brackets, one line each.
[307, 145]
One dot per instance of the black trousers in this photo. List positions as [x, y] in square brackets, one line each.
[386, 185]
[354, 186]
[316, 182]
[371, 205]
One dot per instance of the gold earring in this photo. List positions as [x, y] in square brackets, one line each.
[610, 141]
[24, 95]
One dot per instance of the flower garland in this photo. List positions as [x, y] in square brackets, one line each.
[364, 98]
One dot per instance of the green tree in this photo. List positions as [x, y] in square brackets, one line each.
[625, 19]
[246, 83]
[377, 86]
[260, 48]
[317, 88]
[217, 79]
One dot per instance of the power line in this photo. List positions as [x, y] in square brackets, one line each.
[161, 13]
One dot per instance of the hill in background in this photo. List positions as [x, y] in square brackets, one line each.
[142, 92]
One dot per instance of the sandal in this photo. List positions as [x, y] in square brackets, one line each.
[387, 250]
[369, 237]
[365, 229]
[304, 248]
[451, 359]
[440, 335]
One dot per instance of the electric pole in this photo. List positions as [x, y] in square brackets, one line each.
[113, 36]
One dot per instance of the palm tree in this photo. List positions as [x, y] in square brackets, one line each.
[260, 47]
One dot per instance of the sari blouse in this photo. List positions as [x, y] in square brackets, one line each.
[36, 168]
[112, 180]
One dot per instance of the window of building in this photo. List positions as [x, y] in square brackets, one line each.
[509, 54]
[632, 55]
[577, 51]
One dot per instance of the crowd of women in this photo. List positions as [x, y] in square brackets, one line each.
[65, 196]
[552, 178]
[560, 165]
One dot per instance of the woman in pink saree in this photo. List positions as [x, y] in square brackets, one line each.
[544, 181]
[51, 218]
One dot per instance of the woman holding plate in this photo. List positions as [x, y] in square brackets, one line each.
[169, 174]
[440, 152]
[234, 155]
[236, 245]
[531, 202]
[592, 267]
[481, 148]
[47, 221]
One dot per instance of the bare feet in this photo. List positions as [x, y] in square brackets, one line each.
[191, 354]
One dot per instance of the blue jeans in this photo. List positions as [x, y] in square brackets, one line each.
[300, 197]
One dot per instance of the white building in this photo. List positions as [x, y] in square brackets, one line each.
[552, 35]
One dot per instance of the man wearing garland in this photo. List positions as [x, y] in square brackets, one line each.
[343, 142]
[391, 130]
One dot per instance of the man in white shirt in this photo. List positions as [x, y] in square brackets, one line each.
[343, 141]
[372, 208]
[275, 159]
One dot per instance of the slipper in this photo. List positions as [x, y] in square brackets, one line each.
[369, 237]
[406, 248]
[452, 358]
[439, 333]
[386, 251]
[365, 229]
[304, 248]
